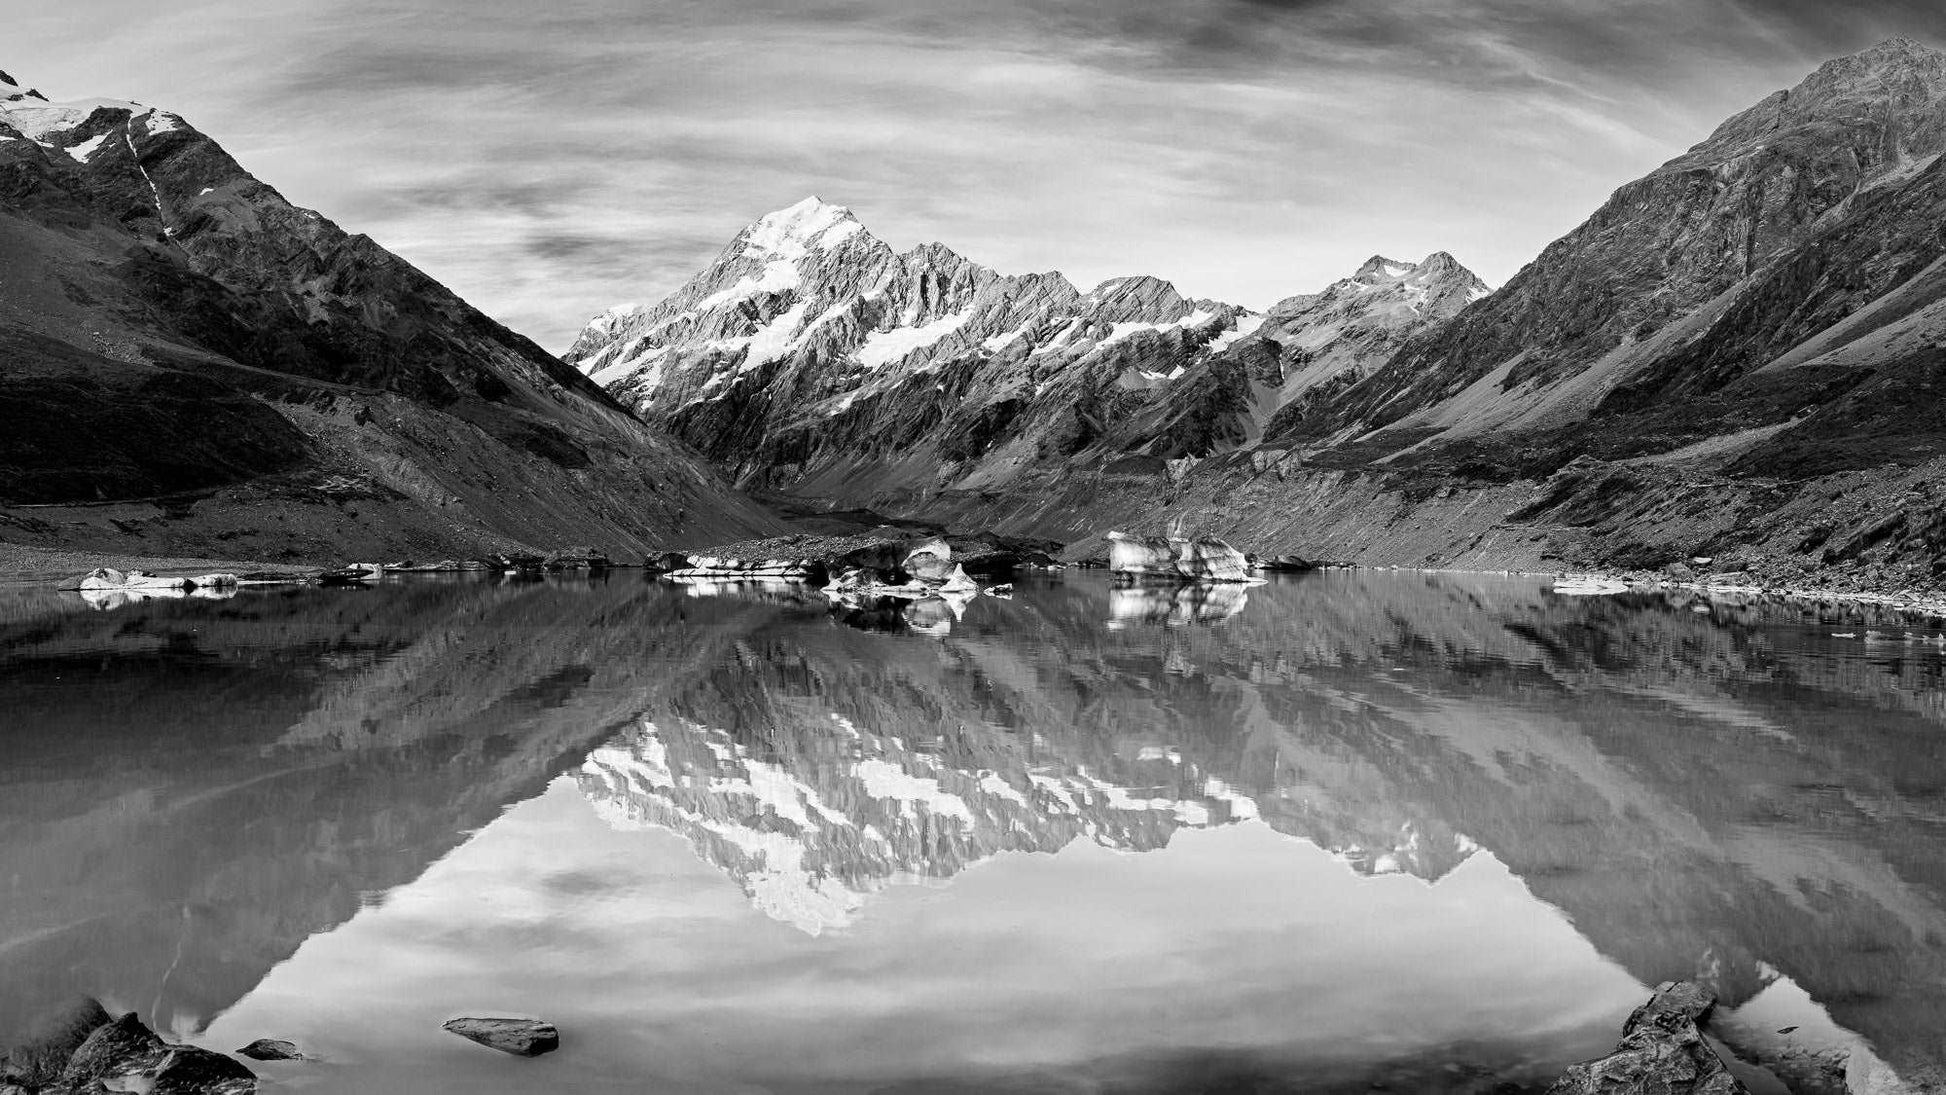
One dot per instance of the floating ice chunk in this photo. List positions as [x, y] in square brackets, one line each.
[1589, 585]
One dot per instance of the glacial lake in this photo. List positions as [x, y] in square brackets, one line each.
[1344, 832]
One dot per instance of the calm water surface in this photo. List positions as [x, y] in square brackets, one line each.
[1432, 832]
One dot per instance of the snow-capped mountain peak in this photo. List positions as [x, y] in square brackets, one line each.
[62, 124]
[795, 230]
[1435, 270]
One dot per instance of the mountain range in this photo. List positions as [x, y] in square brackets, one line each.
[1733, 357]
[812, 359]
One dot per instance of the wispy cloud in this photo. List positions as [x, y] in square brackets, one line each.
[550, 160]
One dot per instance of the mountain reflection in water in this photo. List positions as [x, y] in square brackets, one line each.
[209, 806]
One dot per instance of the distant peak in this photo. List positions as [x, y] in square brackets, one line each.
[934, 249]
[1378, 266]
[10, 90]
[1898, 46]
[1443, 264]
[1894, 55]
[811, 209]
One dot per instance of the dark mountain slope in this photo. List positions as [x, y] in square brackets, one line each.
[193, 365]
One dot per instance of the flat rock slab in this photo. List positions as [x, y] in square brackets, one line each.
[271, 1049]
[520, 1037]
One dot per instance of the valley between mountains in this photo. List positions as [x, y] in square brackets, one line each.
[1736, 356]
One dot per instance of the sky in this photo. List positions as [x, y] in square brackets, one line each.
[548, 161]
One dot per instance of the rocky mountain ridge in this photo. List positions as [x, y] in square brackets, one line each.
[196, 366]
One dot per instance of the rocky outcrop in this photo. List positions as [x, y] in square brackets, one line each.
[1662, 1052]
[197, 363]
[82, 1051]
[520, 1037]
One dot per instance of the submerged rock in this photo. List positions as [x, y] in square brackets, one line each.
[1662, 1052]
[1176, 559]
[271, 1049]
[520, 1037]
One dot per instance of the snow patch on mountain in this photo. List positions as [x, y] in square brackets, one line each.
[776, 338]
[777, 276]
[1245, 326]
[40, 120]
[888, 781]
[86, 148]
[884, 347]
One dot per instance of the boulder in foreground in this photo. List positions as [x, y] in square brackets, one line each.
[1662, 1052]
[520, 1037]
[126, 1055]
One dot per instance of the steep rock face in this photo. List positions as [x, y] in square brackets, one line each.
[813, 358]
[1765, 183]
[175, 328]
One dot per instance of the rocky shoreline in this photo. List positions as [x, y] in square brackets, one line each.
[1905, 604]
[1665, 1049]
[1843, 597]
